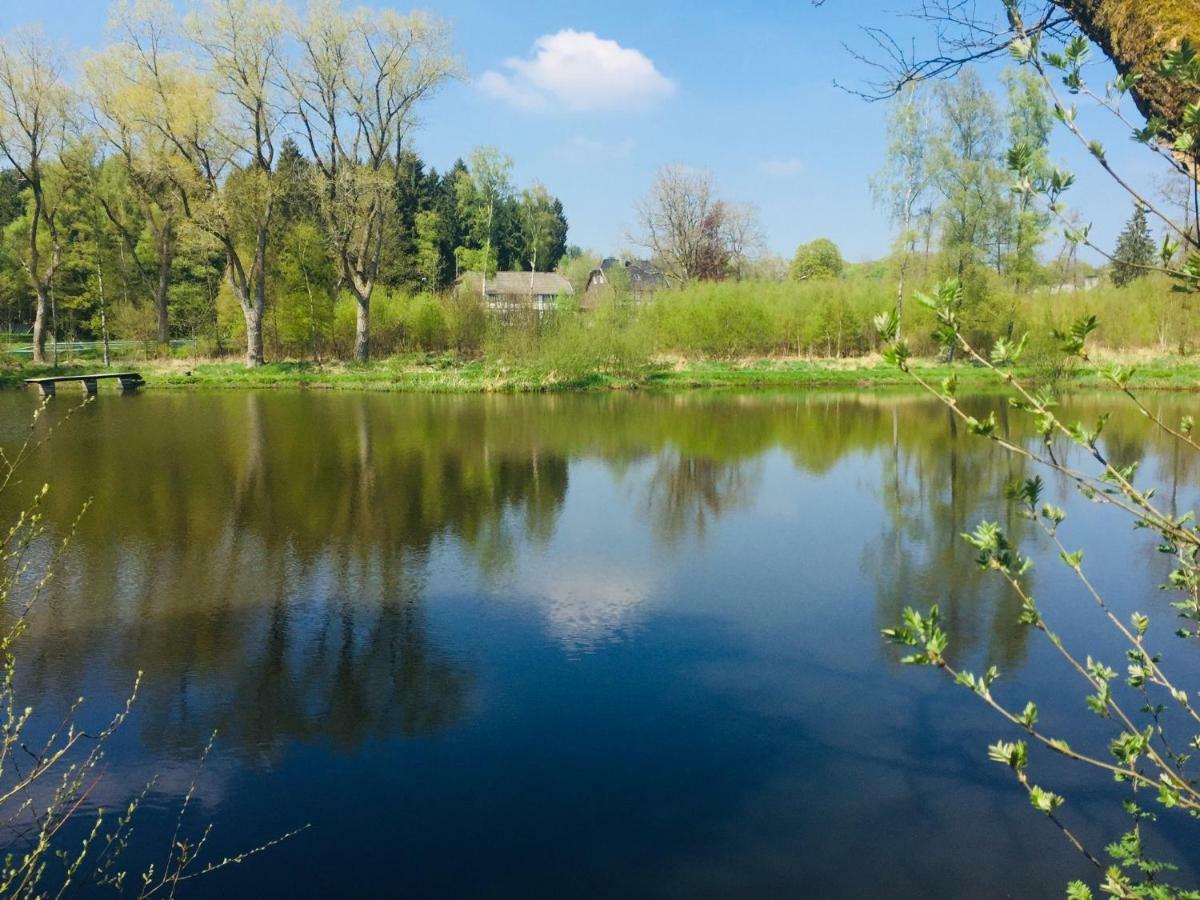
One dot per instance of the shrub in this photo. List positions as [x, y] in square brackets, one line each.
[424, 323]
[606, 341]
[466, 321]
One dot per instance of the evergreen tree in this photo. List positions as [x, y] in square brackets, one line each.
[14, 293]
[558, 236]
[450, 226]
[12, 205]
[398, 264]
[1135, 249]
[295, 178]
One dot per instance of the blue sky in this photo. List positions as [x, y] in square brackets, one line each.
[744, 90]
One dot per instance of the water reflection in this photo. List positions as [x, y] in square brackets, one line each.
[685, 494]
[275, 548]
[933, 491]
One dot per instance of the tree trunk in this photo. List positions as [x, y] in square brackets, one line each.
[254, 339]
[103, 311]
[161, 289]
[362, 328]
[39, 325]
[1135, 35]
[257, 301]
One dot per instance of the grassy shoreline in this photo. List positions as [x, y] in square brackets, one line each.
[442, 375]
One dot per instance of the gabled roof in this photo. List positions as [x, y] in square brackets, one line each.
[643, 274]
[535, 283]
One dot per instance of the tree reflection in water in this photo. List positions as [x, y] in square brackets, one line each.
[265, 558]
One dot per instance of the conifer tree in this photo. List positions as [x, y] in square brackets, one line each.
[1135, 249]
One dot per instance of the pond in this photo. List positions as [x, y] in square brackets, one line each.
[596, 645]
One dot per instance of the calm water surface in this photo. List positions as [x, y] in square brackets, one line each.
[570, 646]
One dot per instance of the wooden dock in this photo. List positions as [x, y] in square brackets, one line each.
[130, 381]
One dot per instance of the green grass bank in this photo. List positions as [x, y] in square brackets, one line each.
[441, 374]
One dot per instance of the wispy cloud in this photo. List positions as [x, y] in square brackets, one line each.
[578, 71]
[781, 168]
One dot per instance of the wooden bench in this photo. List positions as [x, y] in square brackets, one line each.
[130, 381]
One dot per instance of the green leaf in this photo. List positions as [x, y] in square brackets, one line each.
[1077, 50]
[887, 324]
[1119, 375]
[1021, 50]
[1124, 83]
[1029, 715]
[897, 355]
[1054, 514]
[1014, 754]
[1168, 794]
[986, 428]
[1043, 800]
[1029, 613]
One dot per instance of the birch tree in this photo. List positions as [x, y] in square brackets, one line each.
[482, 190]
[537, 219]
[902, 186]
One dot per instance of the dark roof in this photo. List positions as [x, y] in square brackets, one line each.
[643, 275]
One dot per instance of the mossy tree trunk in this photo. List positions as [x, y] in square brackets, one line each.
[1135, 35]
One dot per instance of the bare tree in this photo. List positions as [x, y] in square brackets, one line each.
[35, 107]
[741, 235]
[1134, 34]
[690, 232]
[1180, 193]
[671, 219]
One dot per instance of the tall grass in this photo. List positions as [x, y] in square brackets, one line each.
[721, 320]
[732, 319]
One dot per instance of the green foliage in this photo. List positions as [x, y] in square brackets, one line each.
[1141, 755]
[817, 259]
[829, 318]
[303, 309]
[604, 343]
[577, 267]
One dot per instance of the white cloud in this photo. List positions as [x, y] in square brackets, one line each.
[511, 91]
[782, 168]
[578, 71]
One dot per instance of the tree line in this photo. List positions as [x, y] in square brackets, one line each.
[953, 185]
[250, 155]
